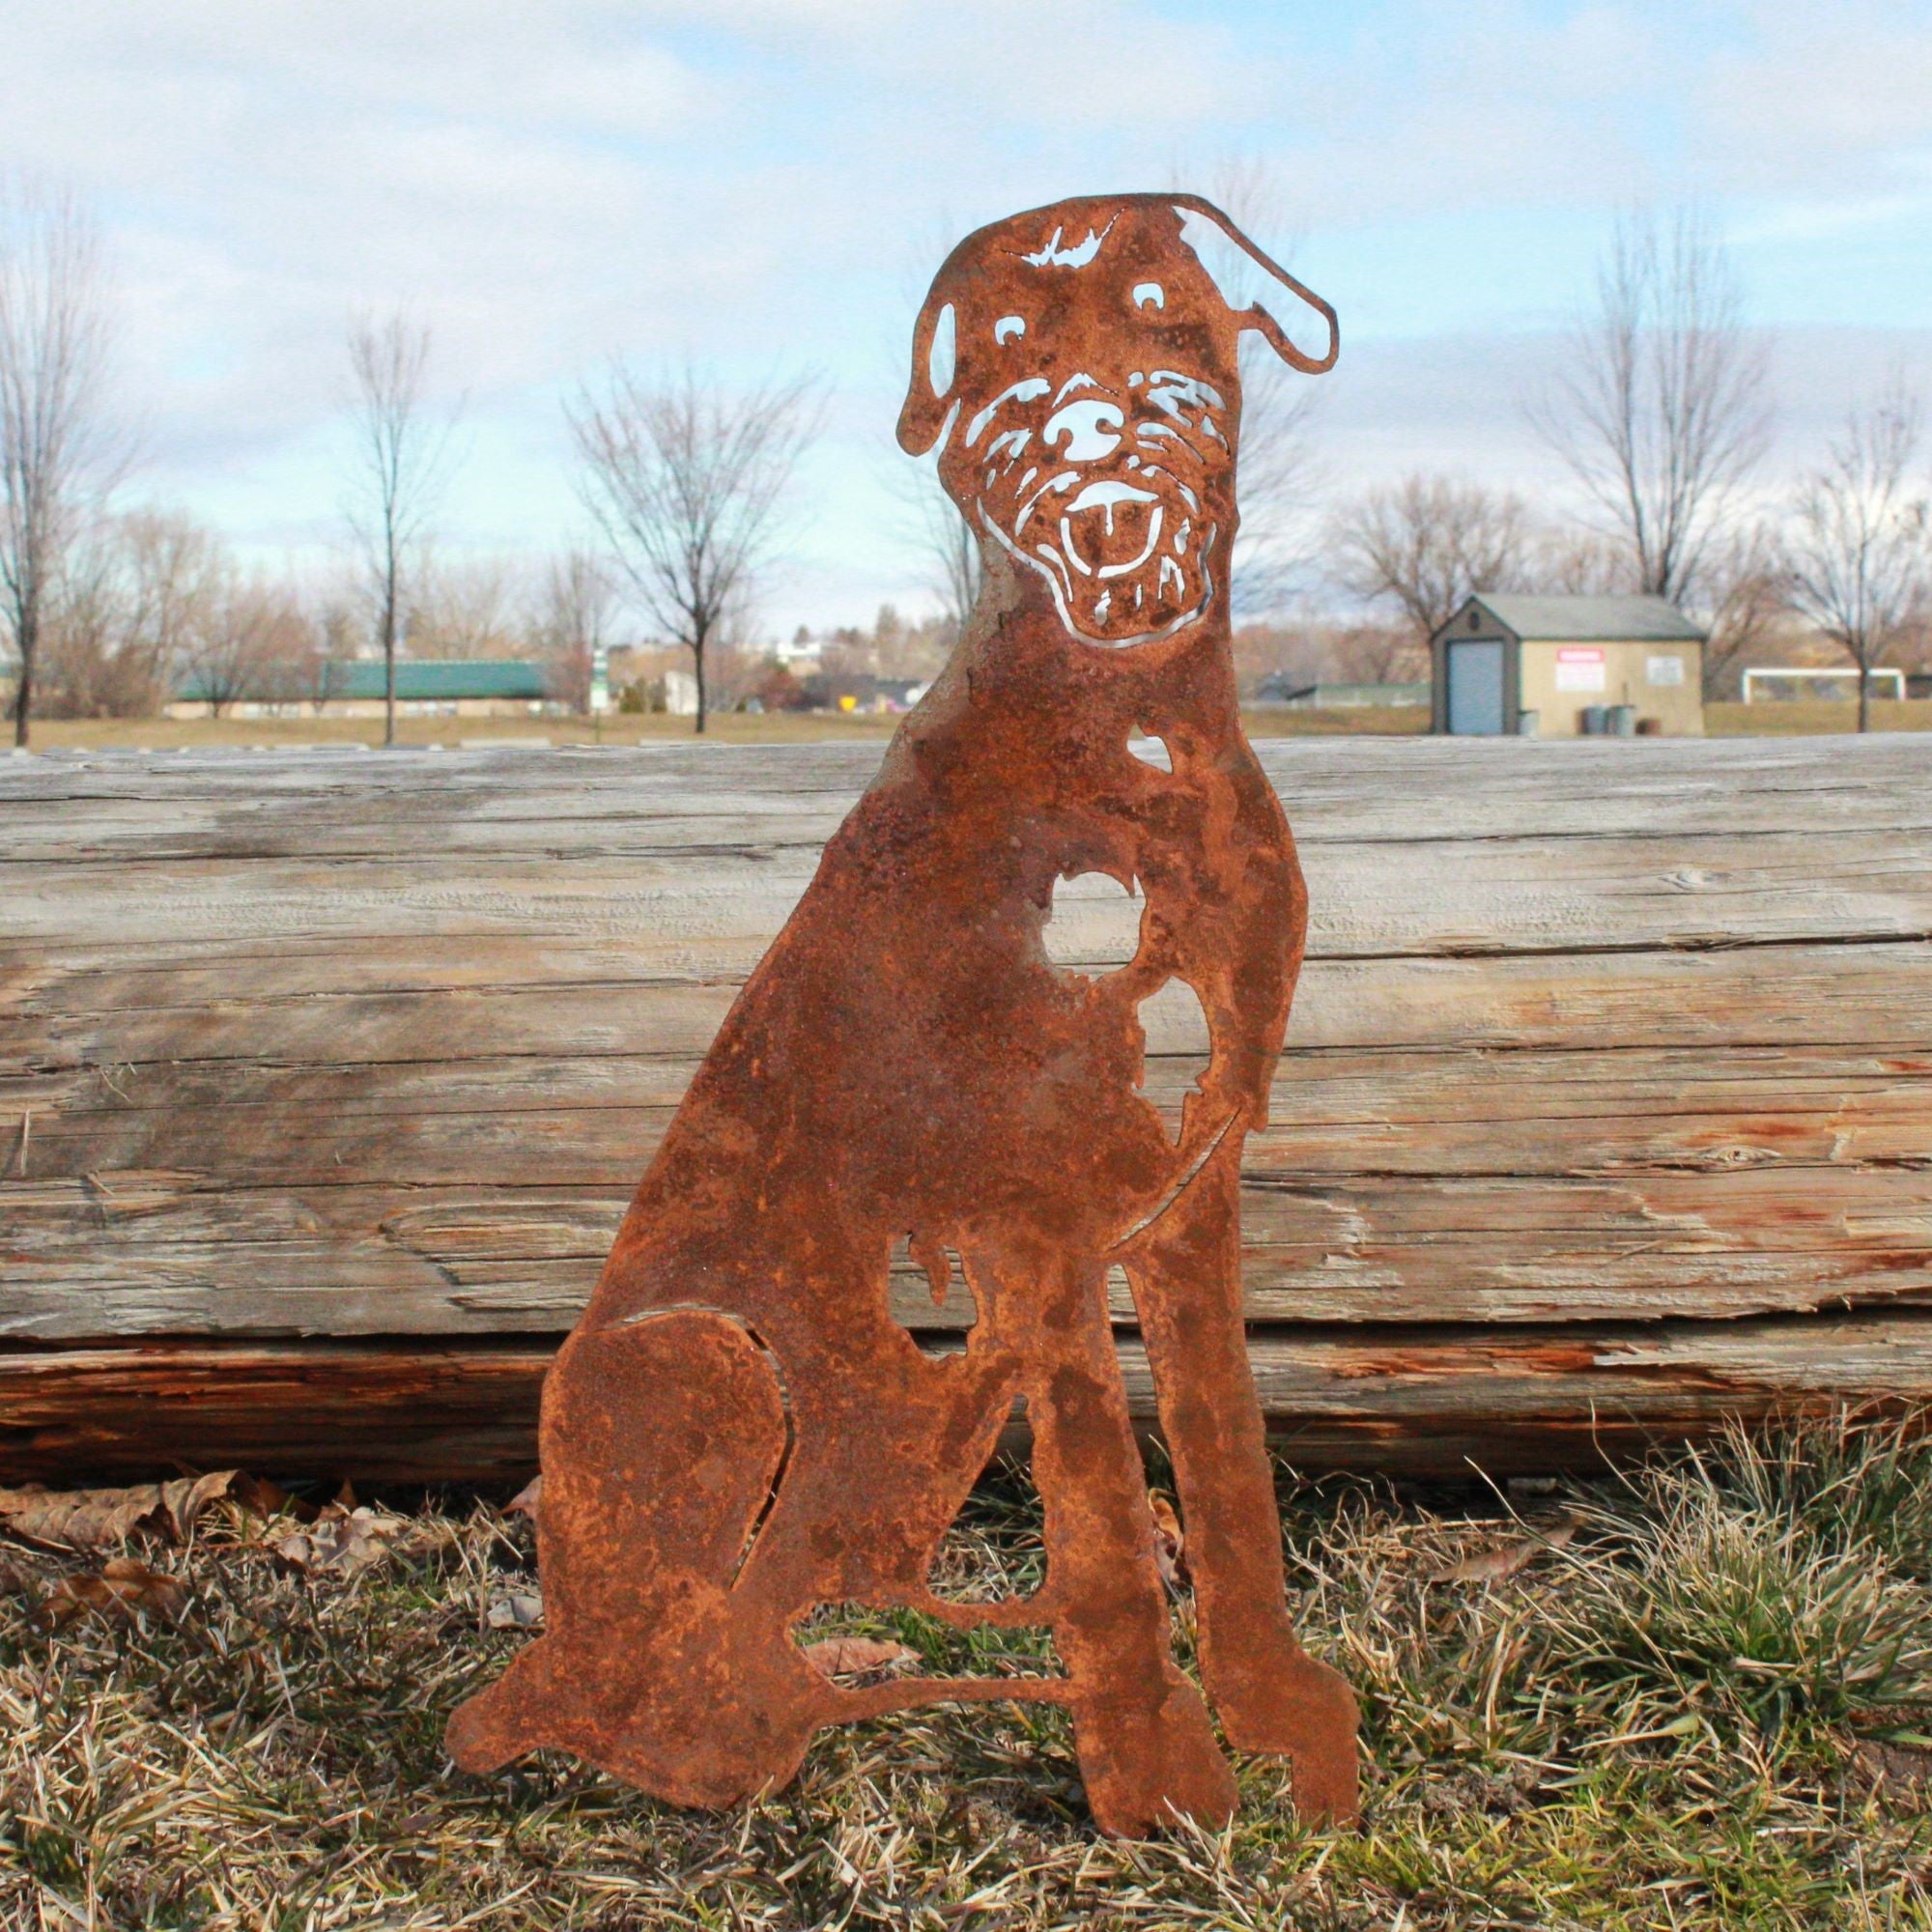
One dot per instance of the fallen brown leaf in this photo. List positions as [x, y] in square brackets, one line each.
[68, 1519]
[1491, 1566]
[856, 1656]
[120, 1586]
[340, 1542]
[1170, 1544]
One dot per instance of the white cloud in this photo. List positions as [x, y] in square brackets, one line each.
[1819, 99]
[758, 182]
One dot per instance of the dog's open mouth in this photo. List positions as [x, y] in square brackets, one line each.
[1110, 529]
[1127, 564]
[1126, 554]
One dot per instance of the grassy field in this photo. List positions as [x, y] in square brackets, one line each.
[169, 734]
[1694, 1698]
[163, 734]
[1806, 718]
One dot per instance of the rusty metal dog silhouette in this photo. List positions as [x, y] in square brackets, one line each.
[739, 1431]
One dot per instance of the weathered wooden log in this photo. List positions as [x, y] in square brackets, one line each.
[324, 1076]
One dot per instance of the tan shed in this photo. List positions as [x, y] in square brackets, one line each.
[1567, 668]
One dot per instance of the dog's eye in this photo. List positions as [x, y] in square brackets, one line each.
[1149, 295]
[1008, 327]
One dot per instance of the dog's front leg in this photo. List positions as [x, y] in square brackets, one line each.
[1270, 1694]
[1146, 1750]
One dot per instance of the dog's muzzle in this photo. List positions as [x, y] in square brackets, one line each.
[1116, 510]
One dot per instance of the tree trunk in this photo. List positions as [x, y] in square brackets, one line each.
[28, 641]
[698, 664]
[1865, 695]
[389, 653]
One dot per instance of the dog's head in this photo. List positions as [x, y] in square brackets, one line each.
[1080, 366]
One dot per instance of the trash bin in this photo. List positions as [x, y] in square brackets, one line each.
[1621, 720]
[1593, 721]
[1528, 724]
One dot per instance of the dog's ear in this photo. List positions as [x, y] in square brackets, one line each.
[929, 402]
[1260, 293]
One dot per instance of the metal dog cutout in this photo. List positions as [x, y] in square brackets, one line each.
[738, 1431]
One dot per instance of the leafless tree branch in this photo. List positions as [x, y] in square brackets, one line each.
[1427, 543]
[58, 454]
[686, 483]
[574, 620]
[128, 595]
[1859, 543]
[1663, 413]
[1747, 603]
[400, 462]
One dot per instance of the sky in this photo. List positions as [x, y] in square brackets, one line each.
[762, 186]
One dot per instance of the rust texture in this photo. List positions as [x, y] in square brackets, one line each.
[738, 1431]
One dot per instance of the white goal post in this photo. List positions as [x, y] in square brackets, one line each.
[1774, 674]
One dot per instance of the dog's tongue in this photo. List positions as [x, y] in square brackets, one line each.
[1111, 527]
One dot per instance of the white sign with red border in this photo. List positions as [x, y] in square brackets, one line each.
[1580, 668]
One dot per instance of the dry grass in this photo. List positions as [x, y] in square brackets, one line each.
[1806, 718]
[728, 727]
[174, 734]
[1721, 720]
[1704, 1709]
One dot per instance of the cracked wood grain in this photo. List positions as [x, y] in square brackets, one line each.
[311, 1048]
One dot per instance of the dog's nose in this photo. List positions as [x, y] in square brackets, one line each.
[1088, 426]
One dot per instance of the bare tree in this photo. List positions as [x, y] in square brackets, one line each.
[1661, 413]
[1376, 654]
[56, 449]
[82, 665]
[172, 564]
[1861, 539]
[1747, 598]
[465, 607]
[1568, 562]
[127, 598]
[573, 622]
[249, 641]
[1427, 543]
[323, 669]
[685, 482]
[950, 546]
[398, 466]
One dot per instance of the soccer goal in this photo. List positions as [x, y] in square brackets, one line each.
[1793, 681]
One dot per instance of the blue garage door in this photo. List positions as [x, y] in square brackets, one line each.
[1476, 688]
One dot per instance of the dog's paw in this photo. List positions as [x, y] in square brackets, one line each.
[1145, 1768]
[491, 1729]
[1307, 1713]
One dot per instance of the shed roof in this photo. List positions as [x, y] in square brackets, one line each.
[1590, 619]
[418, 679]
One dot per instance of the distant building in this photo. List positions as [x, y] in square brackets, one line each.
[800, 651]
[425, 688]
[1568, 667]
[861, 692]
